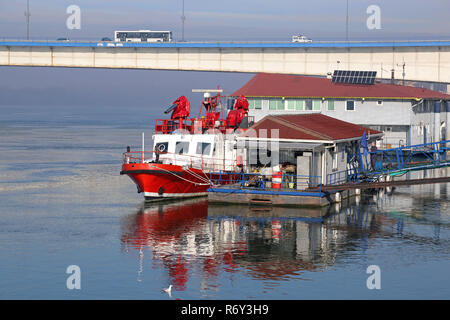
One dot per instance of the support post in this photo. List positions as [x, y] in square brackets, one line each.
[143, 146]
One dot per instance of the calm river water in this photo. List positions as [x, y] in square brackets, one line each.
[63, 202]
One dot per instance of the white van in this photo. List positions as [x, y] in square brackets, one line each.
[300, 38]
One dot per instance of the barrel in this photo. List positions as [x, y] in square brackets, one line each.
[239, 161]
[276, 180]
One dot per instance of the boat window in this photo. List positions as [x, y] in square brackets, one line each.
[162, 147]
[181, 147]
[203, 148]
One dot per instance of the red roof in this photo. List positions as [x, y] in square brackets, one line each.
[313, 126]
[286, 85]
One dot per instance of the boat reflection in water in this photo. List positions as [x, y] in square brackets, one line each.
[174, 234]
[201, 241]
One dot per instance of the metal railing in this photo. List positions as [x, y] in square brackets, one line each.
[192, 125]
[413, 157]
[259, 181]
[198, 162]
[94, 40]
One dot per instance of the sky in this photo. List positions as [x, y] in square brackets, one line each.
[231, 20]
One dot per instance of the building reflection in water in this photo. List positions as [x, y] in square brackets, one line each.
[191, 238]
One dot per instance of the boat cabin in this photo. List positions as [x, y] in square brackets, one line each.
[211, 152]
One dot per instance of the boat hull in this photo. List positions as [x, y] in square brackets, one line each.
[166, 181]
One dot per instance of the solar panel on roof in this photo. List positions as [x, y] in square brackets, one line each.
[354, 77]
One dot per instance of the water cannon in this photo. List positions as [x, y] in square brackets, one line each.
[173, 106]
[180, 108]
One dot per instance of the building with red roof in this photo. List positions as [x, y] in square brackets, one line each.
[312, 144]
[407, 115]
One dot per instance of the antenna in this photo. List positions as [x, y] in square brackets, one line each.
[403, 73]
[27, 15]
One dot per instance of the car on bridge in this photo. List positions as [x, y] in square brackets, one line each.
[62, 39]
[106, 39]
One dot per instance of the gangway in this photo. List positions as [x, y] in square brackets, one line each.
[392, 162]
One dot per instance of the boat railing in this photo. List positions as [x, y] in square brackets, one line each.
[167, 126]
[193, 125]
[191, 161]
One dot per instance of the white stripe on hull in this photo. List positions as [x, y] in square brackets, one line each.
[174, 195]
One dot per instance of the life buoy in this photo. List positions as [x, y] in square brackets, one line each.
[161, 147]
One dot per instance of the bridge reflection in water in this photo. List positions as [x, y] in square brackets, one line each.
[192, 239]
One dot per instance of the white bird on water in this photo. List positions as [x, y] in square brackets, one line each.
[168, 290]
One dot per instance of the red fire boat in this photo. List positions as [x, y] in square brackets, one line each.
[190, 154]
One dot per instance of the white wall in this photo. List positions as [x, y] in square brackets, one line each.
[403, 122]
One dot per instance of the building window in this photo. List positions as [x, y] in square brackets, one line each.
[251, 103]
[290, 104]
[334, 157]
[350, 105]
[308, 104]
[300, 105]
[330, 106]
[316, 105]
[276, 104]
[258, 104]
[272, 105]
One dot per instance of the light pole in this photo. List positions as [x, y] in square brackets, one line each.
[182, 23]
[346, 25]
[27, 15]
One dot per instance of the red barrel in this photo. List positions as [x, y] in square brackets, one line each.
[276, 180]
[239, 161]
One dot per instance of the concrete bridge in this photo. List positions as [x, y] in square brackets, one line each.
[410, 60]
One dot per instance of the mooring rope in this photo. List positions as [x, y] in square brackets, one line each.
[204, 179]
[193, 182]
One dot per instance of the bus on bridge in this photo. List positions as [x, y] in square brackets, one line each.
[143, 36]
